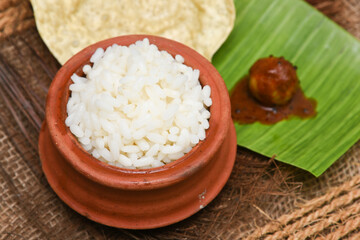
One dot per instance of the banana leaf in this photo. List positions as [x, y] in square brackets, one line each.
[328, 61]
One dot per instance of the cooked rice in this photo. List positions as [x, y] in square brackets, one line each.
[137, 106]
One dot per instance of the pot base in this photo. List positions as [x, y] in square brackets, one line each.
[136, 209]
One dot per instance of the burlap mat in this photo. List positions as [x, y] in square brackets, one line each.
[15, 16]
[263, 199]
[334, 215]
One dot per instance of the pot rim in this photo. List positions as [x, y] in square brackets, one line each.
[138, 179]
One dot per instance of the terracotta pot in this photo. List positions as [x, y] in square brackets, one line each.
[137, 199]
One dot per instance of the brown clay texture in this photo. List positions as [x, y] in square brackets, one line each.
[141, 198]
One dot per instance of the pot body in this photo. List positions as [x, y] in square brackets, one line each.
[136, 209]
[144, 198]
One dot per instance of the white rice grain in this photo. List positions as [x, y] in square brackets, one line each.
[76, 130]
[138, 107]
[130, 149]
[97, 55]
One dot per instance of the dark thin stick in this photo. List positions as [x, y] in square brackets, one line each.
[20, 102]
[35, 99]
[17, 120]
[20, 85]
[283, 180]
[48, 71]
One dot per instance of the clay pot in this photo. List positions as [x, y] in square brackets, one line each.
[144, 198]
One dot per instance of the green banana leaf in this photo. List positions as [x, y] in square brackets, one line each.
[328, 61]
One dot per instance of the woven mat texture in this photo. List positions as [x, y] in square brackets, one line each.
[263, 199]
